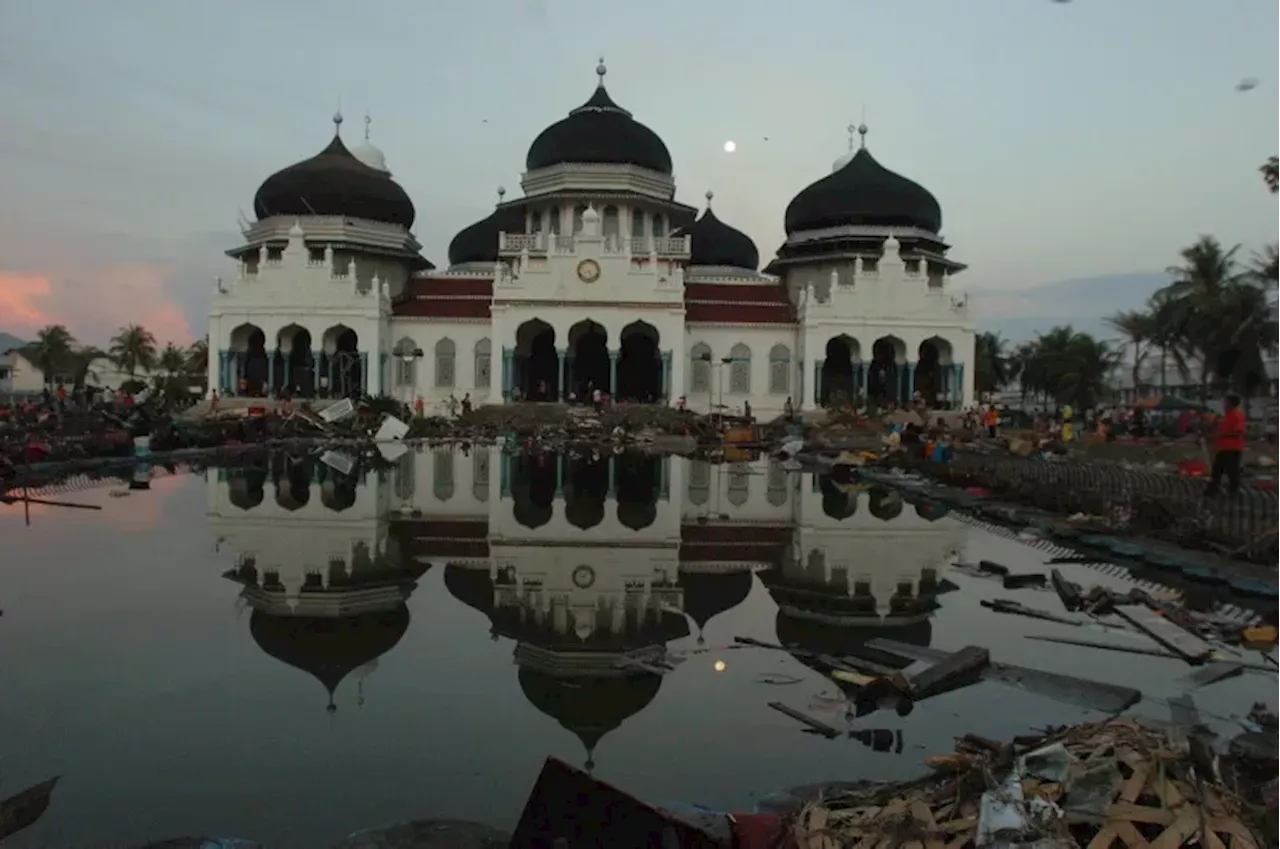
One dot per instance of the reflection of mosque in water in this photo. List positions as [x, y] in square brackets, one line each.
[579, 560]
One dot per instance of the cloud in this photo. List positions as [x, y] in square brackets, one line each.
[20, 301]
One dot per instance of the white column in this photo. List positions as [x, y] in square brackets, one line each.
[679, 361]
[214, 359]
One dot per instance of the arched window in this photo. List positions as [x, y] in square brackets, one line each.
[637, 223]
[484, 360]
[700, 368]
[480, 475]
[609, 224]
[442, 473]
[776, 494]
[659, 225]
[535, 221]
[740, 370]
[780, 370]
[406, 476]
[406, 368]
[699, 481]
[578, 212]
[739, 486]
[553, 220]
[445, 355]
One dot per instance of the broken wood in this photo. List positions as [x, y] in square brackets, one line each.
[1179, 641]
[1017, 582]
[816, 724]
[993, 567]
[1068, 592]
[1211, 673]
[949, 673]
[22, 809]
[1098, 644]
[1004, 605]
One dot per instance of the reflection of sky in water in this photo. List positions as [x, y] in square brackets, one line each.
[174, 655]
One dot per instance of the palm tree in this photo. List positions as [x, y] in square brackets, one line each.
[1167, 336]
[198, 356]
[1136, 327]
[134, 348]
[82, 363]
[990, 362]
[1197, 294]
[1271, 173]
[172, 360]
[51, 351]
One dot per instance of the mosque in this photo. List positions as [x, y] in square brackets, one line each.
[581, 564]
[597, 277]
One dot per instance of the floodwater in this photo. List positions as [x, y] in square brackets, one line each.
[286, 653]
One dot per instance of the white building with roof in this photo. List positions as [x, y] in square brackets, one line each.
[595, 277]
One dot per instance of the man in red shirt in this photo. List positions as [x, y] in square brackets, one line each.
[1229, 447]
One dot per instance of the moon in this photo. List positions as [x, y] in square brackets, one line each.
[730, 147]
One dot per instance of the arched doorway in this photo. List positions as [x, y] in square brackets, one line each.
[884, 383]
[933, 370]
[589, 359]
[292, 478]
[639, 364]
[246, 486]
[637, 484]
[585, 491]
[839, 372]
[296, 367]
[533, 488]
[838, 502]
[537, 365]
[342, 371]
[337, 491]
[251, 367]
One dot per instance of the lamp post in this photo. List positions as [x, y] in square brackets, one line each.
[714, 380]
[409, 356]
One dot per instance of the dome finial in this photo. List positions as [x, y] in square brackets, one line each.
[862, 132]
[502, 192]
[601, 70]
[710, 195]
[367, 121]
[337, 122]
[851, 130]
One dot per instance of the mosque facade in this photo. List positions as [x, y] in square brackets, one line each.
[595, 278]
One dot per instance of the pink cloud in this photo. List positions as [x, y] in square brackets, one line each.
[93, 302]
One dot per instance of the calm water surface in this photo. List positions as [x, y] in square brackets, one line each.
[286, 653]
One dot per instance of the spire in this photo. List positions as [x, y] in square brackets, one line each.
[862, 132]
[851, 129]
[502, 192]
[367, 122]
[337, 122]
[601, 70]
[710, 195]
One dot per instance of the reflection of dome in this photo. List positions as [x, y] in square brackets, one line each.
[590, 707]
[599, 131]
[329, 648]
[863, 193]
[884, 503]
[709, 593]
[472, 587]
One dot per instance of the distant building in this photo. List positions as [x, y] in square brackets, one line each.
[597, 278]
[21, 377]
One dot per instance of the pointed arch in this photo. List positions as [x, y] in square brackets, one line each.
[700, 357]
[780, 370]
[740, 369]
[483, 363]
[446, 371]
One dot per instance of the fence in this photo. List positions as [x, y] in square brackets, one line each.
[1155, 502]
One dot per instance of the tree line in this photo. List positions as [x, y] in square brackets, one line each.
[133, 350]
[1213, 323]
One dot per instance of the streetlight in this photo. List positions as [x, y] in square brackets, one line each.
[712, 382]
[408, 356]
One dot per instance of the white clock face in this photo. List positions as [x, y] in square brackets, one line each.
[584, 577]
[588, 271]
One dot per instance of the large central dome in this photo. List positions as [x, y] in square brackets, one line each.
[599, 132]
[863, 193]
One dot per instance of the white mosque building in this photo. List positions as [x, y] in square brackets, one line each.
[595, 278]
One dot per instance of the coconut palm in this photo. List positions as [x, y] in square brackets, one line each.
[172, 360]
[134, 348]
[991, 362]
[51, 351]
[198, 356]
[1136, 328]
[1271, 174]
[1167, 337]
[1198, 295]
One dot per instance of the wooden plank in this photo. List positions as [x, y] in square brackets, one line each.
[945, 674]
[1182, 643]
[1211, 673]
[817, 725]
[1068, 593]
[1094, 695]
[1099, 644]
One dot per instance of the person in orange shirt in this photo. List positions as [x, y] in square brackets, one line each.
[993, 420]
[1229, 447]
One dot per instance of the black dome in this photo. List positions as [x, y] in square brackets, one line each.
[329, 648]
[709, 593]
[716, 243]
[479, 242]
[599, 131]
[863, 194]
[589, 707]
[334, 182]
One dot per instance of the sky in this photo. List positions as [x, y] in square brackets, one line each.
[1065, 141]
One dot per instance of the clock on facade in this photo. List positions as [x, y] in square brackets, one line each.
[584, 577]
[588, 271]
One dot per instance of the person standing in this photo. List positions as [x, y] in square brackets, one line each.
[1229, 448]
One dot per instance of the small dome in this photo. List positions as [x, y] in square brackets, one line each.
[334, 182]
[479, 242]
[716, 243]
[589, 707]
[863, 193]
[599, 132]
[370, 155]
[709, 593]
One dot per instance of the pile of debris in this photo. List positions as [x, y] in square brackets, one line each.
[1114, 783]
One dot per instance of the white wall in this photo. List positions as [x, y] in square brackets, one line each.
[24, 378]
[760, 341]
[428, 377]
